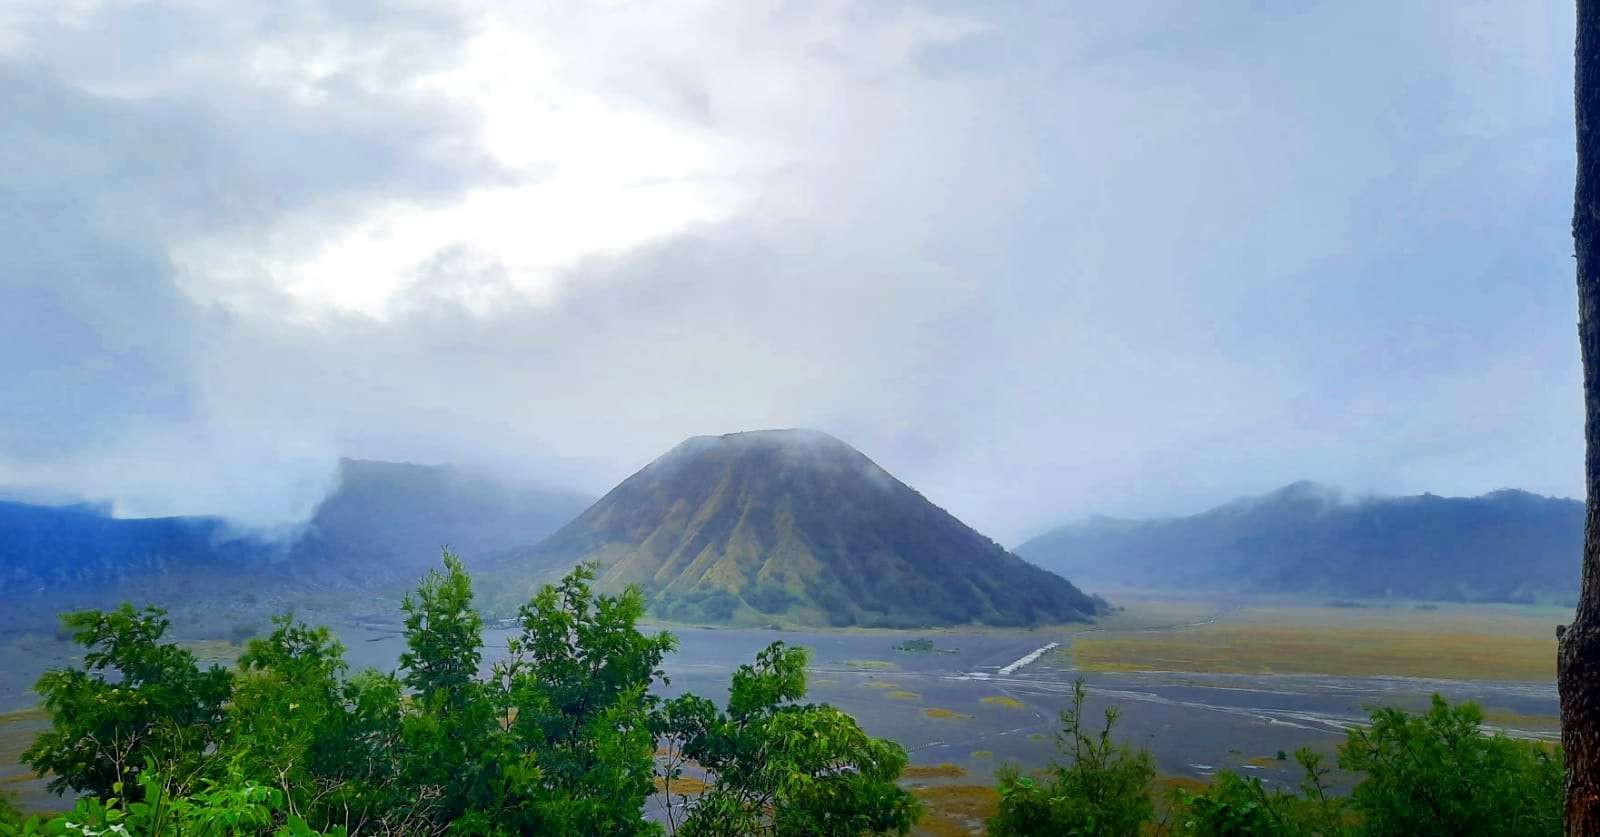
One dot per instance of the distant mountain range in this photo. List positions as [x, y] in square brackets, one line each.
[1507, 546]
[383, 523]
[794, 526]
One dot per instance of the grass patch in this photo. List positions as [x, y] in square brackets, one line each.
[17, 732]
[982, 755]
[1164, 788]
[1321, 649]
[956, 810]
[1166, 784]
[1038, 736]
[933, 771]
[1145, 612]
[823, 682]
[1263, 761]
[1518, 720]
[935, 712]
[1002, 700]
[879, 684]
[901, 694]
[871, 665]
[682, 786]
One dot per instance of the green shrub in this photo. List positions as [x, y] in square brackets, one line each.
[1242, 806]
[1439, 774]
[781, 767]
[1102, 789]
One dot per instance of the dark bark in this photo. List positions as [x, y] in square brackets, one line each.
[1578, 661]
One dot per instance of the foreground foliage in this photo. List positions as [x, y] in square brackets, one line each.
[564, 735]
[781, 767]
[558, 738]
[1436, 773]
[1103, 788]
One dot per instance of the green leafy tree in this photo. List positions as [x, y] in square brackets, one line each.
[780, 767]
[328, 744]
[1102, 790]
[453, 755]
[444, 638]
[137, 701]
[1438, 774]
[573, 695]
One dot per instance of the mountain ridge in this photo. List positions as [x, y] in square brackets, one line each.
[1507, 545]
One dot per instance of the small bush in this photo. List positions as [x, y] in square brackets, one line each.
[1102, 787]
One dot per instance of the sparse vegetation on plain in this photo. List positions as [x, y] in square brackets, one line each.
[955, 810]
[1510, 719]
[1487, 643]
[681, 786]
[944, 770]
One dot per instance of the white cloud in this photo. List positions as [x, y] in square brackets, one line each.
[1039, 261]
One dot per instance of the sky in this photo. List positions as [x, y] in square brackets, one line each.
[1039, 260]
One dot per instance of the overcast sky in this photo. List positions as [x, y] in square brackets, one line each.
[1038, 260]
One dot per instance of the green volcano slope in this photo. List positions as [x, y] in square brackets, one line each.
[795, 526]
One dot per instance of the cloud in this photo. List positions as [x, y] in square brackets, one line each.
[1037, 261]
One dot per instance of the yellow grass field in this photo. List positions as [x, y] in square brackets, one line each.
[944, 770]
[1484, 642]
[681, 786]
[17, 732]
[955, 810]
[1517, 720]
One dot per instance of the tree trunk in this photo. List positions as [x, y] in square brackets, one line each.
[1578, 660]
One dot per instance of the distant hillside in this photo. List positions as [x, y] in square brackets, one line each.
[382, 523]
[50, 547]
[796, 526]
[386, 521]
[1505, 546]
